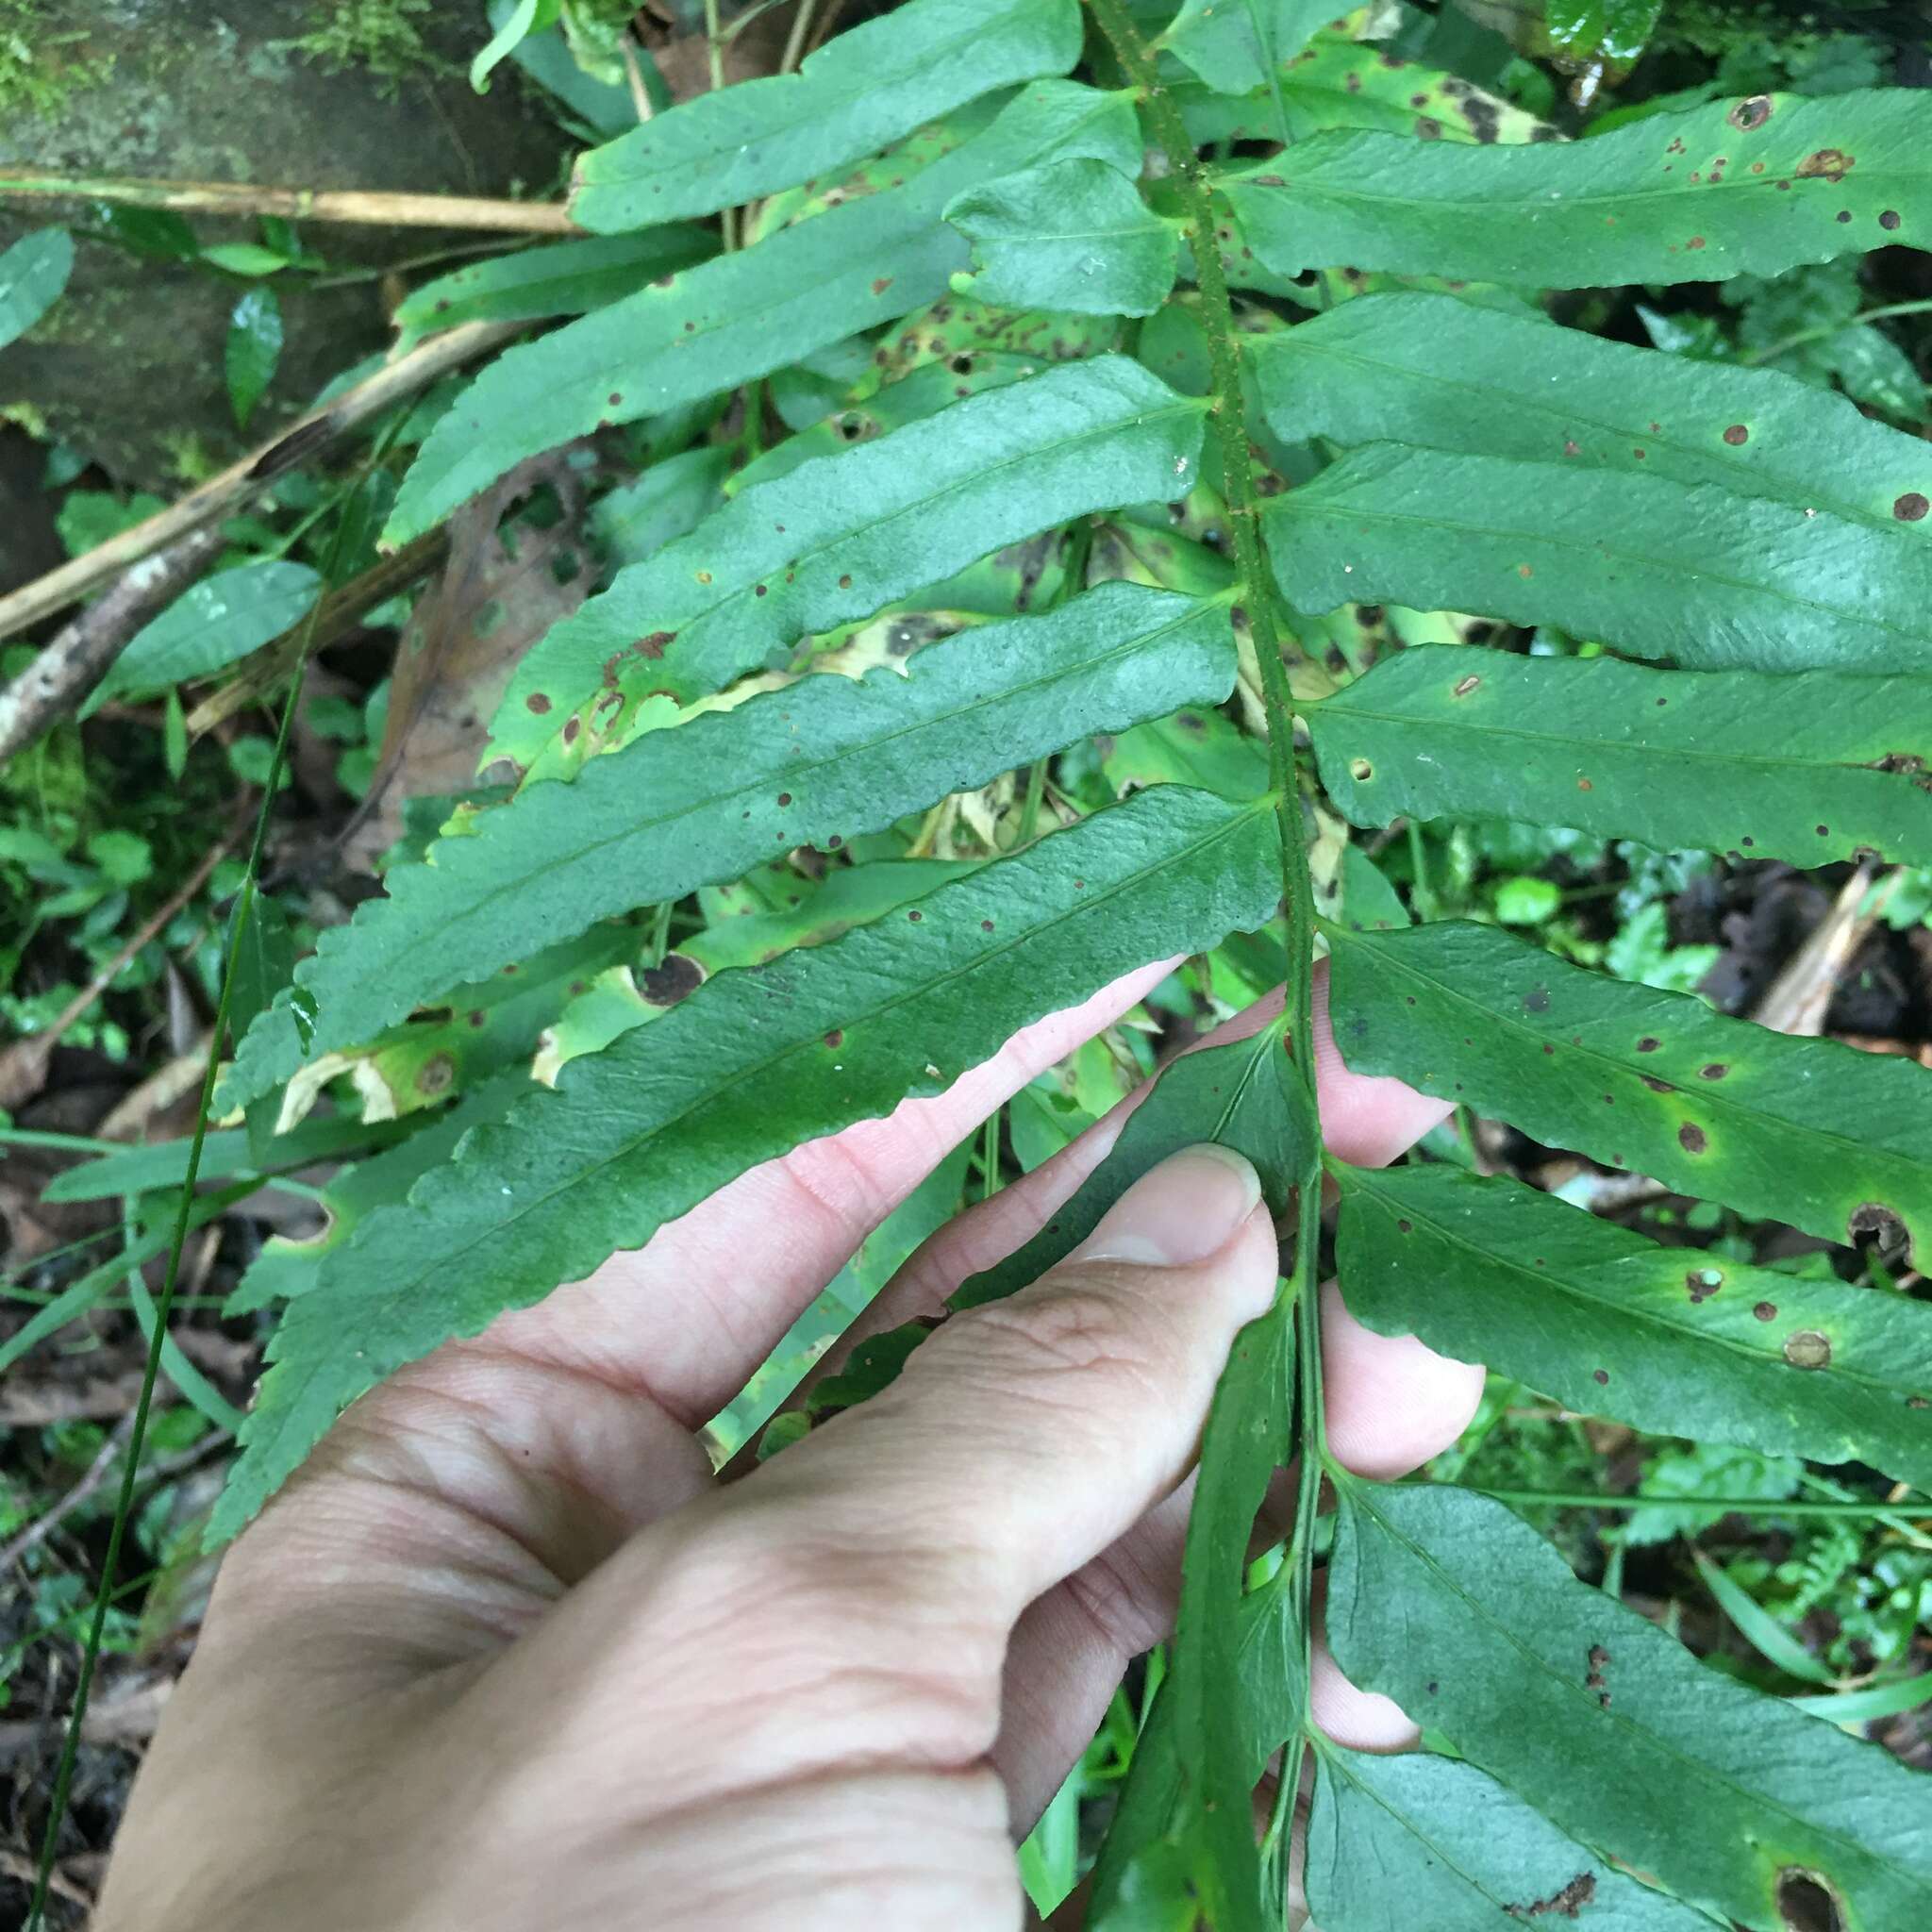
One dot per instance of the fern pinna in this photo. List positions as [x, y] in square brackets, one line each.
[1117, 406]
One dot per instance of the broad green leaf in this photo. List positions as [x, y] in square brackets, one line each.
[210, 626]
[745, 314]
[1072, 235]
[555, 279]
[1411, 1839]
[858, 93]
[263, 956]
[252, 349]
[32, 275]
[1698, 575]
[815, 763]
[1829, 1140]
[840, 536]
[1746, 187]
[1369, 902]
[1235, 45]
[1462, 1613]
[752, 1064]
[1808, 768]
[1440, 372]
[1669, 1339]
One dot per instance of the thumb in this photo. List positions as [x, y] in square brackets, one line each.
[1026, 1434]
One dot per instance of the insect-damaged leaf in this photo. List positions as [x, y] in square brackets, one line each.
[1805, 1131]
[1443, 373]
[1736, 760]
[750, 1065]
[1740, 187]
[822, 759]
[1698, 575]
[839, 536]
[1665, 1338]
[1235, 45]
[858, 93]
[1411, 1839]
[1462, 1613]
[749, 312]
[1071, 235]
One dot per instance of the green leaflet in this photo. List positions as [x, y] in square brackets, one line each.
[1462, 1613]
[555, 279]
[1437, 371]
[858, 93]
[752, 1064]
[1396, 1843]
[32, 275]
[252, 349]
[1236, 1093]
[1750, 186]
[1235, 45]
[1805, 1131]
[742, 315]
[1808, 768]
[1665, 1338]
[1072, 235]
[210, 626]
[1700, 575]
[839, 536]
[161, 1164]
[816, 763]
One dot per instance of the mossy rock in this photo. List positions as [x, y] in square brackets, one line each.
[372, 94]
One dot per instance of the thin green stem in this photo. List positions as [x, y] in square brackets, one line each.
[1922, 307]
[1029, 809]
[714, 47]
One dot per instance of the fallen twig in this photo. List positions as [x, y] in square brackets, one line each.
[221, 495]
[349, 205]
[77, 660]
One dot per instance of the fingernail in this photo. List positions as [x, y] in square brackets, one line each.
[1183, 1211]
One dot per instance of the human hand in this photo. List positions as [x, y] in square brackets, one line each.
[506, 1655]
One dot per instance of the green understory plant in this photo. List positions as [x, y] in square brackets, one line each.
[1075, 505]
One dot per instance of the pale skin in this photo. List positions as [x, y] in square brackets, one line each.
[507, 1656]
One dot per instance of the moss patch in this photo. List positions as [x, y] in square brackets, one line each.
[41, 64]
[381, 37]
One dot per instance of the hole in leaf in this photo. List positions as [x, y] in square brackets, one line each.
[1361, 769]
[1806, 1904]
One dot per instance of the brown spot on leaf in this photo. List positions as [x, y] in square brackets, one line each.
[1872, 1225]
[677, 979]
[1692, 1138]
[1584, 785]
[1572, 447]
[1765, 1311]
[653, 646]
[1736, 434]
[1536, 1000]
[1600, 1376]
[1807, 1349]
[1361, 769]
[1911, 507]
[1464, 685]
[1703, 1283]
[845, 583]
[1656, 1085]
[1828, 164]
[437, 1074]
[1888, 219]
[1714, 1070]
[836, 1037]
[537, 703]
[1750, 114]
[881, 285]
[1649, 1043]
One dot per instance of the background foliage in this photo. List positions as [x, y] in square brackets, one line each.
[866, 608]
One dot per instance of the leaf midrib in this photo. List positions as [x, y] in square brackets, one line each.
[1714, 1097]
[1298, 503]
[1340, 706]
[1703, 1767]
[1579, 1291]
[1850, 512]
